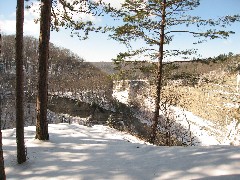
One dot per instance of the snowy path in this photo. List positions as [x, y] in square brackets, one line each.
[99, 152]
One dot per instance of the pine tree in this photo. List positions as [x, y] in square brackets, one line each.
[64, 14]
[21, 152]
[159, 75]
[42, 96]
[153, 22]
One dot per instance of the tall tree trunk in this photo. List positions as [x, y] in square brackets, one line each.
[2, 170]
[21, 152]
[0, 43]
[42, 97]
[159, 76]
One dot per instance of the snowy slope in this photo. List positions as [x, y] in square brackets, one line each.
[99, 152]
[205, 132]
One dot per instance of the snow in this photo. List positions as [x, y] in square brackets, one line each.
[99, 152]
[199, 127]
[122, 96]
[205, 132]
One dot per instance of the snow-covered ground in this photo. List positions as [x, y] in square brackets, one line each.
[99, 152]
[204, 131]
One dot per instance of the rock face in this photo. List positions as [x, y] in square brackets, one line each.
[121, 118]
[135, 93]
[91, 113]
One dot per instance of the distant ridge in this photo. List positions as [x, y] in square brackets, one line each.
[107, 67]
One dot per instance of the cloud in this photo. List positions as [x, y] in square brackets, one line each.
[115, 4]
[8, 26]
[29, 28]
[33, 12]
[8, 22]
[75, 14]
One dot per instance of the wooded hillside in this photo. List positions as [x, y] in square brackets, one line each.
[67, 71]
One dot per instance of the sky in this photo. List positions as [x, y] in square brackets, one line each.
[100, 48]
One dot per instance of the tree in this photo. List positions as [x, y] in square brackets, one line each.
[42, 96]
[72, 15]
[8, 52]
[2, 170]
[153, 21]
[159, 75]
[21, 152]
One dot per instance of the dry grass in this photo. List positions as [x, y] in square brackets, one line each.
[217, 102]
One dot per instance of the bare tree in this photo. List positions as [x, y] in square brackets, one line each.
[21, 153]
[42, 96]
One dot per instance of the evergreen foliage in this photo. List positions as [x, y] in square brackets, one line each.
[155, 22]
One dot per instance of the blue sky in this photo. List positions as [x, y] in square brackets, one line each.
[100, 48]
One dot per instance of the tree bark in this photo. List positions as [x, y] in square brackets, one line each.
[42, 97]
[0, 42]
[21, 152]
[159, 76]
[2, 170]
